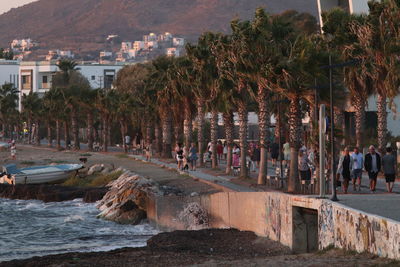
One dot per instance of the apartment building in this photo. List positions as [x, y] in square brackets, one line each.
[36, 76]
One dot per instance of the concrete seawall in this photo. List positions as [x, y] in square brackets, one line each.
[303, 223]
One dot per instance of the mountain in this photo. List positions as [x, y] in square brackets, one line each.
[83, 25]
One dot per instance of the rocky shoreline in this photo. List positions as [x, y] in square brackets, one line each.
[51, 193]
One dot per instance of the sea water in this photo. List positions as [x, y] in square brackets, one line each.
[34, 228]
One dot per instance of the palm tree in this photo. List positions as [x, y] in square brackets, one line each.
[31, 105]
[8, 105]
[340, 29]
[379, 39]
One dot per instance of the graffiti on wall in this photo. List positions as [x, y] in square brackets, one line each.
[325, 225]
[273, 217]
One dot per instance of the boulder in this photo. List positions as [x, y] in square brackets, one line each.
[126, 200]
[105, 171]
[95, 169]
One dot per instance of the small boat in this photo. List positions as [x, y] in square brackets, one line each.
[38, 174]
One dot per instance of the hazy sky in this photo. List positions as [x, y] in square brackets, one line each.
[6, 5]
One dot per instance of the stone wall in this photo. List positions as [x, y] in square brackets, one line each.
[300, 222]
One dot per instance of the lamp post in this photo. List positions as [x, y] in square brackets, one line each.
[332, 126]
[280, 144]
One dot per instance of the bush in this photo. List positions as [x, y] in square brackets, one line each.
[104, 179]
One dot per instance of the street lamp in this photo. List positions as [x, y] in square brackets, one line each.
[333, 179]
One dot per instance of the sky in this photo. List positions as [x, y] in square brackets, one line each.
[6, 5]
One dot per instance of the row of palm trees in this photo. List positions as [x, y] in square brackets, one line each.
[263, 63]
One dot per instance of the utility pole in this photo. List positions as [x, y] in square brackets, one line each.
[322, 130]
[332, 127]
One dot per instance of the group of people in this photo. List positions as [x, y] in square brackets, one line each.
[351, 166]
[186, 157]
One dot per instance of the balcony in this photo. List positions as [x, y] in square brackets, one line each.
[26, 86]
[45, 86]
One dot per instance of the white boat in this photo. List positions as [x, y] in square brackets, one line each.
[38, 174]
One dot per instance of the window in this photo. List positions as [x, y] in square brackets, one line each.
[93, 77]
[44, 79]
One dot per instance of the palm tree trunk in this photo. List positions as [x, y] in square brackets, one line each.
[75, 129]
[200, 128]
[243, 118]
[229, 130]
[149, 132]
[339, 123]
[294, 140]
[37, 136]
[49, 137]
[359, 105]
[67, 138]
[214, 137]
[123, 132]
[30, 134]
[108, 132]
[105, 135]
[167, 135]
[158, 138]
[382, 122]
[90, 130]
[187, 125]
[58, 134]
[263, 122]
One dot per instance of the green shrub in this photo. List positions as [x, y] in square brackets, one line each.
[104, 179]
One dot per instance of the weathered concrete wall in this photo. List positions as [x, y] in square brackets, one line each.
[288, 219]
[354, 230]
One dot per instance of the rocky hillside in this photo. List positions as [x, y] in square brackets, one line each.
[83, 25]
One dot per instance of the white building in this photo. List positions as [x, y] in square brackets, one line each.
[126, 46]
[178, 42]
[9, 72]
[138, 45]
[352, 6]
[151, 45]
[36, 76]
[173, 52]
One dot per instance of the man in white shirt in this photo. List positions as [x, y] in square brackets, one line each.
[357, 168]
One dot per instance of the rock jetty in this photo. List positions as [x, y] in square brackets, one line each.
[126, 200]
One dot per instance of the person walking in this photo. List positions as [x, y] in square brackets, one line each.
[274, 153]
[149, 152]
[389, 168]
[372, 164]
[304, 166]
[220, 150]
[193, 156]
[13, 150]
[127, 143]
[286, 154]
[225, 151]
[357, 169]
[236, 156]
[255, 157]
[344, 168]
[179, 156]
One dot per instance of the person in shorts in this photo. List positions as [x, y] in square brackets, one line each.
[357, 169]
[389, 168]
[344, 168]
[372, 164]
[304, 166]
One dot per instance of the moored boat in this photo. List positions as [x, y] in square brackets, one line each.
[38, 174]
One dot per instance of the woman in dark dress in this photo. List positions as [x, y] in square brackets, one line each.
[344, 168]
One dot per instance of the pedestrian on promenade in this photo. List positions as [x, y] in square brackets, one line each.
[286, 154]
[304, 166]
[179, 156]
[372, 165]
[127, 142]
[225, 150]
[220, 150]
[193, 156]
[389, 168]
[357, 168]
[149, 152]
[255, 157]
[344, 168]
[274, 153]
[235, 156]
[13, 150]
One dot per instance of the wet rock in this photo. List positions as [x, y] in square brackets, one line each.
[194, 216]
[51, 193]
[126, 200]
[105, 171]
